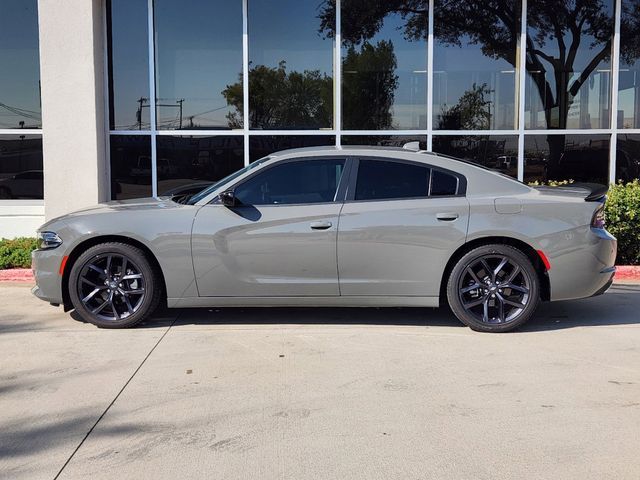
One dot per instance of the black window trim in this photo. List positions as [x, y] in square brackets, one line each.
[339, 197]
[461, 188]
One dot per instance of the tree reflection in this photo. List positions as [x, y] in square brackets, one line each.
[281, 99]
[630, 31]
[557, 31]
[367, 99]
[472, 112]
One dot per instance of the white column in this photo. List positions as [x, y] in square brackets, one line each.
[613, 110]
[73, 107]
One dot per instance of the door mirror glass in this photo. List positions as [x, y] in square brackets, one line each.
[228, 198]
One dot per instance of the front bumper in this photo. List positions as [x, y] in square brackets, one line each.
[46, 270]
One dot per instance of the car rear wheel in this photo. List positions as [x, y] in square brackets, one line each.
[113, 285]
[493, 288]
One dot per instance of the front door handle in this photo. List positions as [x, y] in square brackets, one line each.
[320, 225]
[447, 217]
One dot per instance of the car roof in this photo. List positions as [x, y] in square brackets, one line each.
[333, 149]
[354, 149]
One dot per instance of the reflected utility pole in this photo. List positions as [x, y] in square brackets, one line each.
[141, 101]
[179, 102]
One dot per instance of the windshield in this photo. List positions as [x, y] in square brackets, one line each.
[199, 196]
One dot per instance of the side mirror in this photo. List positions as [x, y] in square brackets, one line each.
[228, 199]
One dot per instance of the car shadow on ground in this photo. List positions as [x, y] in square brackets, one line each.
[619, 306]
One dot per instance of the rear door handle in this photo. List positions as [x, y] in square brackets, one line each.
[446, 217]
[320, 225]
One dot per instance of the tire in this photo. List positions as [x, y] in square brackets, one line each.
[105, 295]
[493, 288]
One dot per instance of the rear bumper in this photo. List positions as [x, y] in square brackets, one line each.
[585, 270]
[606, 286]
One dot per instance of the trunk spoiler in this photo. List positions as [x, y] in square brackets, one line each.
[596, 191]
[591, 192]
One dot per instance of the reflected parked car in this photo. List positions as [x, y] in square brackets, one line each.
[330, 226]
[506, 162]
[27, 184]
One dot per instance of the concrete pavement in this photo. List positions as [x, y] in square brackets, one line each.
[321, 393]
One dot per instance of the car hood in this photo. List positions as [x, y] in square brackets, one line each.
[137, 204]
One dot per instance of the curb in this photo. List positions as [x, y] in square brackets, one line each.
[17, 275]
[627, 273]
[624, 273]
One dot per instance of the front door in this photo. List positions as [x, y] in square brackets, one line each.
[280, 240]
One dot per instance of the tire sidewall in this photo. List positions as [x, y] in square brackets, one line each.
[138, 257]
[515, 256]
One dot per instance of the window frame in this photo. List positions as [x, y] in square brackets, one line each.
[461, 188]
[338, 198]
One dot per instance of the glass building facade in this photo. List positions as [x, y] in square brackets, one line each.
[21, 171]
[541, 90]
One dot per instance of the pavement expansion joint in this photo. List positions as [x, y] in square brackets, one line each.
[116, 398]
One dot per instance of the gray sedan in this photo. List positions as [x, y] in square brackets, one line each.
[335, 227]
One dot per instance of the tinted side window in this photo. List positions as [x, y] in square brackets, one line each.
[380, 179]
[443, 184]
[305, 181]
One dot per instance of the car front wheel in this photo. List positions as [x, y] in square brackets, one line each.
[113, 285]
[493, 288]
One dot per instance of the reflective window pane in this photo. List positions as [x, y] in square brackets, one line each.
[20, 77]
[190, 164]
[499, 152]
[290, 67]
[21, 167]
[628, 157]
[582, 158]
[128, 65]
[385, 140]
[198, 63]
[474, 62]
[629, 79]
[568, 64]
[130, 166]
[306, 181]
[263, 145]
[379, 180]
[384, 64]
[443, 184]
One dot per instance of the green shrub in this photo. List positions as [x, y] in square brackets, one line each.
[16, 253]
[623, 220]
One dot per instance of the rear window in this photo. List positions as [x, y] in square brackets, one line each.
[443, 184]
[379, 180]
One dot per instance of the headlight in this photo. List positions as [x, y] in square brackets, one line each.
[49, 240]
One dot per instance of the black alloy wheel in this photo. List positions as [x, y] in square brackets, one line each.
[493, 288]
[113, 285]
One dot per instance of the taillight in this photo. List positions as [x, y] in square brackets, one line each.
[598, 218]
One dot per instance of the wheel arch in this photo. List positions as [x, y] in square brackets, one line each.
[90, 242]
[528, 250]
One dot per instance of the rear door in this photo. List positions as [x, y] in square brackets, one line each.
[399, 226]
